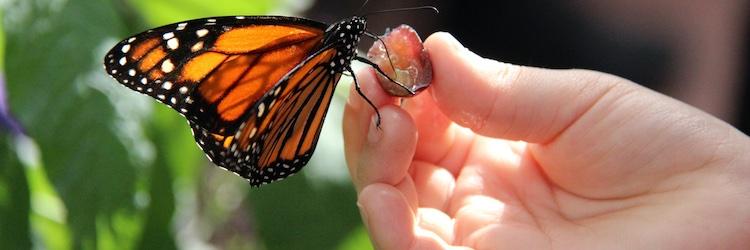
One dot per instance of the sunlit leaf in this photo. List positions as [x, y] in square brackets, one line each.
[157, 231]
[53, 66]
[356, 240]
[14, 199]
[160, 12]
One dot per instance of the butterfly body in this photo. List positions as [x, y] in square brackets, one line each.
[254, 89]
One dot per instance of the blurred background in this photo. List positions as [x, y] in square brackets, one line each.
[88, 164]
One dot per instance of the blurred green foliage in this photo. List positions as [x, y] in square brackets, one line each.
[106, 168]
[14, 200]
[170, 11]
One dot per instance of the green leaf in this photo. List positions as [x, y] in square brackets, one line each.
[14, 199]
[2, 44]
[179, 151]
[64, 100]
[357, 240]
[160, 12]
[157, 232]
[292, 214]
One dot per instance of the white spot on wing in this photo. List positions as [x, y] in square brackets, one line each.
[173, 43]
[167, 85]
[197, 46]
[201, 32]
[125, 48]
[123, 61]
[167, 66]
[261, 109]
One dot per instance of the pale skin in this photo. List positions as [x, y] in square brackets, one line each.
[498, 156]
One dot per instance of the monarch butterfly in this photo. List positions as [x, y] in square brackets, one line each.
[254, 89]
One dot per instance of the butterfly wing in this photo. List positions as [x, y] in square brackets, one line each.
[213, 70]
[279, 133]
[255, 89]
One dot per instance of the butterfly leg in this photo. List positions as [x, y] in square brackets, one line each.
[359, 91]
[380, 71]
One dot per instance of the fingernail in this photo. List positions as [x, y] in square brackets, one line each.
[373, 133]
[363, 214]
[366, 223]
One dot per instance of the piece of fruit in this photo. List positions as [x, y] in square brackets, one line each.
[409, 63]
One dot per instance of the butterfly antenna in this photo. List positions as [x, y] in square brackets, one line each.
[362, 7]
[403, 9]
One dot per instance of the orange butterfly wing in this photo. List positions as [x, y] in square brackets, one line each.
[255, 90]
[212, 70]
[281, 131]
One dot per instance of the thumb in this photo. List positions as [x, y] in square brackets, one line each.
[593, 134]
[509, 101]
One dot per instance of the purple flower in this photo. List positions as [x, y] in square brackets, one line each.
[7, 122]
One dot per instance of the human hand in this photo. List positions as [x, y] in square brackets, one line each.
[497, 156]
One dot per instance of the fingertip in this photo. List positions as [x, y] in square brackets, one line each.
[358, 116]
[396, 128]
[388, 152]
[387, 216]
[443, 41]
[465, 86]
